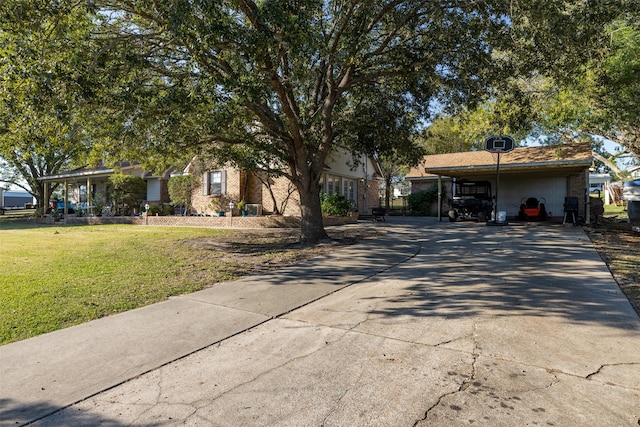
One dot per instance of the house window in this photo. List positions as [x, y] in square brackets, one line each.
[214, 183]
[349, 189]
[333, 184]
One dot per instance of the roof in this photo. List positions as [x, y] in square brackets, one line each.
[567, 157]
[100, 171]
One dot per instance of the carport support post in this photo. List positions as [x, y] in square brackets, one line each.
[495, 215]
[439, 198]
[587, 201]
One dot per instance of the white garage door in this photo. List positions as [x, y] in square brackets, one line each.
[512, 191]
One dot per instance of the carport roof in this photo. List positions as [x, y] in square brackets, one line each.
[568, 158]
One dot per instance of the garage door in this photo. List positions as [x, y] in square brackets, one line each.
[513, 190]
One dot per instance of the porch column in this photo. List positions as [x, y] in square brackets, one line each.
[66, 197]
[89, 201]
[45, 200]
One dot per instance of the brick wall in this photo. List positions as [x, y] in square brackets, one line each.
[202, 204]
[276, 221]
[576, 187]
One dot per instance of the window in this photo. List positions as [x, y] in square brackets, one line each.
[349, 189]
[333, 184]
[214, 183]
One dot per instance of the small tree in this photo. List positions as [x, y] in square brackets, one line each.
[127, 190]
[181, 191]
[420, 202]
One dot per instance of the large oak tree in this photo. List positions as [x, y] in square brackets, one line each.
[285, 78]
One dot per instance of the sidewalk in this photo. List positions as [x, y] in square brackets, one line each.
[442, 325]
[39, 376]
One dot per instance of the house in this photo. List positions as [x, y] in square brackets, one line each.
[88, 188]
[355, 178]
[550, 173]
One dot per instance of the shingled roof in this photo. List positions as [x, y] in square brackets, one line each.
[567, 156]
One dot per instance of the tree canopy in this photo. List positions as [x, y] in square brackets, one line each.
[45, 56]
[287, 79]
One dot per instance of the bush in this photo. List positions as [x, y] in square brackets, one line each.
[421, 202]
[128, 190]
[334, 205]
[181, 189]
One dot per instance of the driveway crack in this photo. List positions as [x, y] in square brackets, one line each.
[466, 382]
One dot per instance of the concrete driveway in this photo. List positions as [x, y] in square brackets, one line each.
[435, 324]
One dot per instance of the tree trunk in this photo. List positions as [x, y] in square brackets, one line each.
[387, 192]
[311, 225]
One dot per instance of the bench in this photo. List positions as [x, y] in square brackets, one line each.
[378, 213]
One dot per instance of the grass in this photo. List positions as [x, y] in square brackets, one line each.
[57, 276]
[614, 210]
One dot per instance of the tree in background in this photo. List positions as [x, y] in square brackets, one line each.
[45, 81]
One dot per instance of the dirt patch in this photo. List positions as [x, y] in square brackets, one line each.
[619, 247]
[258, 250]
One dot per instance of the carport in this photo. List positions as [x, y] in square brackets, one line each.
[548, 172]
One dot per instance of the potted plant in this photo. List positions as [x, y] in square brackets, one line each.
[217, 205]
[241, 206]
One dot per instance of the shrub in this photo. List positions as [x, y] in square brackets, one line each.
[128, 190]
[181, 189]
[420, 202]
[334, 205]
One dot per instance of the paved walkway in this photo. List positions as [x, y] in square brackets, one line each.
[434, 324]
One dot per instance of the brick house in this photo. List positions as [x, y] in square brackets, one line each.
[549, 172]
[356, 178]
[219, 186]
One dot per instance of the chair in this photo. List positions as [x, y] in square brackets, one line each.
[571, 209]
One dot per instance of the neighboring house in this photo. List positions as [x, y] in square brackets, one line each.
[598, 181]
[85, 188]
[219, 186]
[549, 172]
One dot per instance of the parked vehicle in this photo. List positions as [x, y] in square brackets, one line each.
[471, 200]
[532, 208]
[59, 206]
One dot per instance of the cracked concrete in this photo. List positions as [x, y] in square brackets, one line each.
[536, 333]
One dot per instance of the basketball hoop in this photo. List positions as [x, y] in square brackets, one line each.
[498, 145]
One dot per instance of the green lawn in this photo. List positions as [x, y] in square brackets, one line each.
[57, 276]
[613, 210]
